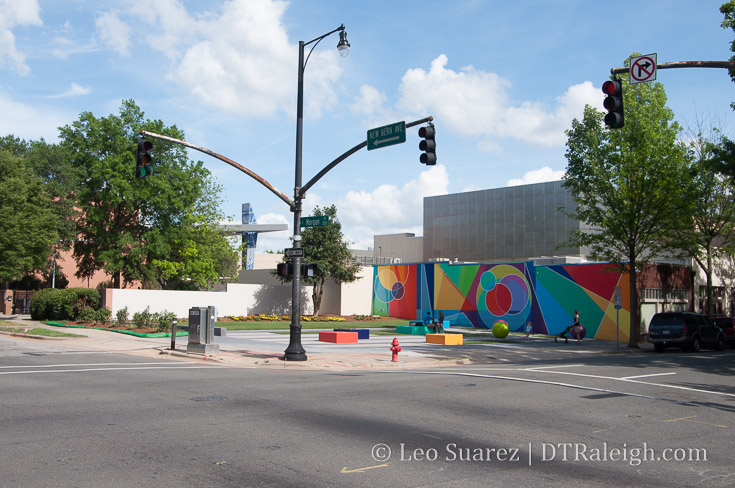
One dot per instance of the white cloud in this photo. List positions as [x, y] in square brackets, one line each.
[73, 91]
[14, 13]
[474, 102]
[237, 59]
[389, 209]
[537, 176]
[31, 122]
[369, 102]
[114, 32]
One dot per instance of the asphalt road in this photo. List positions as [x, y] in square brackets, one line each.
[75, 418]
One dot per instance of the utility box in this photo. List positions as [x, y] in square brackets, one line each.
[201, 331]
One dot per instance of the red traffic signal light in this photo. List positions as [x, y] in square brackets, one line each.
[284, 270]
[613, 104]
[143, 159]
[428, 145]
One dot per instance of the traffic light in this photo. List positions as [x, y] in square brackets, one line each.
[613, 103]
[284, 270]
[309, 270]
[428, 145]
[143, 159]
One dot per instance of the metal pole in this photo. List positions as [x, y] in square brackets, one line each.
[295, 351]
[173, 334]
[53, 271]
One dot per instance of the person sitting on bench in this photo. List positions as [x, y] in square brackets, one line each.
[439, 324]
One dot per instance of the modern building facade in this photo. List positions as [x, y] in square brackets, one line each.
[502, 224]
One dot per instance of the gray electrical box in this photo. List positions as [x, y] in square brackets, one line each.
[201, 331]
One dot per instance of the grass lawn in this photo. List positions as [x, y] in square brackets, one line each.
[38, 331]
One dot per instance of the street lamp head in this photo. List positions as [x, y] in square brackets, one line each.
[343, 46]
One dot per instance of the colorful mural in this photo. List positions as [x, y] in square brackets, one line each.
[478, 295]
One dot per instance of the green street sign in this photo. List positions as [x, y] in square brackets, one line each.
[386, 136]
[319, 221]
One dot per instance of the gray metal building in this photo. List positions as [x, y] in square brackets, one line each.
[502, 224]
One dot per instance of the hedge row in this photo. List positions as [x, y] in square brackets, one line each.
[66, 304]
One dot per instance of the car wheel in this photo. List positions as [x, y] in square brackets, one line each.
[659, 347]
[720, 346]
[695, 345]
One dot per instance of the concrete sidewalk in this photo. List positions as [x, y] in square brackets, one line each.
[415, 353]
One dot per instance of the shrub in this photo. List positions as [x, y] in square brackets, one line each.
[87, 314]
[66, 304]
[48, 304]
[121, 317]
[142, 320]
[162, 321]
[102, 316]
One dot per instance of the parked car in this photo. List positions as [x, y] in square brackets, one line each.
[687, 330]
[727, 324]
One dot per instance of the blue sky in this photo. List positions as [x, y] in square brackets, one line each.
[502, 79]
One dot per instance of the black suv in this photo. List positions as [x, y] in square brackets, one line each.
[727, 324]
[685, 329]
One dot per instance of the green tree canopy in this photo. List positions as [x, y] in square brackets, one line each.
[326, 248]
[27, 224]
[134, 229]
[629, 184]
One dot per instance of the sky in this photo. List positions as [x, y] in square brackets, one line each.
[503, 81]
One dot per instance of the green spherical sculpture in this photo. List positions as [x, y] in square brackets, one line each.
[500, 329]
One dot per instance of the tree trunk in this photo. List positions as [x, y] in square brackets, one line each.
[708, 273]
[316, 295]
[634, 311]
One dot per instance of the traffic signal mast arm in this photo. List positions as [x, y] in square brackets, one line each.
[683, 64]
[346, 154]
[232, 163]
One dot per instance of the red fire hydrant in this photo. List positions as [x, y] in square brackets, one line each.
[396, 349]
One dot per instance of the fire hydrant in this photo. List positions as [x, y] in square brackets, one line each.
[396, 349]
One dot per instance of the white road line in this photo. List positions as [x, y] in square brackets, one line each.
[87, 364]
[99, 369]
[542, 382]
[645, 376]
[673, 387]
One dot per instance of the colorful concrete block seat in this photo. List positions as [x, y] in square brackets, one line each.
[445, 339]
[361, 333]
[338, 337]
[413, 330]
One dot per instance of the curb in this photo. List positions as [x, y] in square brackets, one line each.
[34, 336]
[119, 331]
[315, 364]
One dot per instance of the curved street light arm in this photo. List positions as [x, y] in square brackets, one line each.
[232, 163]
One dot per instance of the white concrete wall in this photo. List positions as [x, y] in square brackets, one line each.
[238, 299]
[357, 297]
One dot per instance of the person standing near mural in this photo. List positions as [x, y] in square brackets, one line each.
[576, 326]
[529, 329]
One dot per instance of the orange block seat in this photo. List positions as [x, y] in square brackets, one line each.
[445, 339]
[338, 337]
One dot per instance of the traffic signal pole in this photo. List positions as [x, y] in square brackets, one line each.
[683, 64]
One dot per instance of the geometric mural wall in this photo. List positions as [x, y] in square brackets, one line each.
[477, 295]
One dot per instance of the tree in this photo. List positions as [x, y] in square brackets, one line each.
[326, 248]
[131, 227]
[728, 10]
[713, 206]
[27, 224]
[629, 184]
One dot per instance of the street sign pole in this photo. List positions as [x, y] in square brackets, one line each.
[618, 305]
